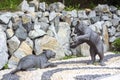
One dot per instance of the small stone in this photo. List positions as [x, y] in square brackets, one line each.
[112, 39]
[82, 14]
[52, 15]
[42, 6]
[36, 33]
[5, 18]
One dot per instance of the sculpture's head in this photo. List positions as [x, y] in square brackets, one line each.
[49, 53]
[79, 28]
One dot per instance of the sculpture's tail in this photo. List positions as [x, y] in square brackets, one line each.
[11, 75]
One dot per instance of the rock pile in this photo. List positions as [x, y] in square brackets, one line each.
[39, 26]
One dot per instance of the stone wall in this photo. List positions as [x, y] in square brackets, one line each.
[39, 26]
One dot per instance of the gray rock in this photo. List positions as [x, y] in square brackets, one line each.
[102, 8]
[44, 19]
[73, 13]
[3, 49]
[115, 16]
[112, 31]
[29, 42]
[39, 14]
[48, 42]
[95, 19]
[108, 24]
[105, 18]
[85, 49]
[118, 12]
[113, 8]
[111, 39]
[9, 33]
[82, 14]
[46, 14]
[21, 32]
[118, 28]
[87, 22]
[35, 4]
[24, 6]
[52, 15]
[10, 24]
[98, 26]
[74, 22]
[42, 6]
[115, 22]
[31, 9]
[92, 14]
[5, 18]
[56, 23]
[57, 6]
[19, 13]
[64, 37]
[44, 26]
[36, 33]
[13, 44]
[52, 30]
[117, 34]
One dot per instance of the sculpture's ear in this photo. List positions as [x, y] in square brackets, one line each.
[78, 22]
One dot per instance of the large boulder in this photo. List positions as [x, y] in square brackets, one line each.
[3, 49]
[64, 37]
[48, 42]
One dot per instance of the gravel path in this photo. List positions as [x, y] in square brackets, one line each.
[75, 69]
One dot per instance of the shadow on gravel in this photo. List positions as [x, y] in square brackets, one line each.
[47, 75]
[90, 77]
[107, 57]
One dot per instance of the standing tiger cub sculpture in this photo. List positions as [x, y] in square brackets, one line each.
[86, 34]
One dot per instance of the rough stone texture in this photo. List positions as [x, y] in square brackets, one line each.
[57, 6]
[24, 6]
[36, 33]
[105, 37]
[3, 49]
[64, 37]
[51, 43]
[13, 44]
[42, 6]
[9, 33]
[85, 49]
[4, 18]
[82, 14]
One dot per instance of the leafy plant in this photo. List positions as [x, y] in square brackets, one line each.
[6, 66]
[116, 44]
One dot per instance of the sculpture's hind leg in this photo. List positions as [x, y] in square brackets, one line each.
[92, 54]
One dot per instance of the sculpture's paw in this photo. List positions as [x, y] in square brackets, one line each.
[90, 62]
[102, 64]
[72, 45]
[53, 65]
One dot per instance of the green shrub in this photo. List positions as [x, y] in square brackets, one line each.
[69, 57]
[116, 44]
